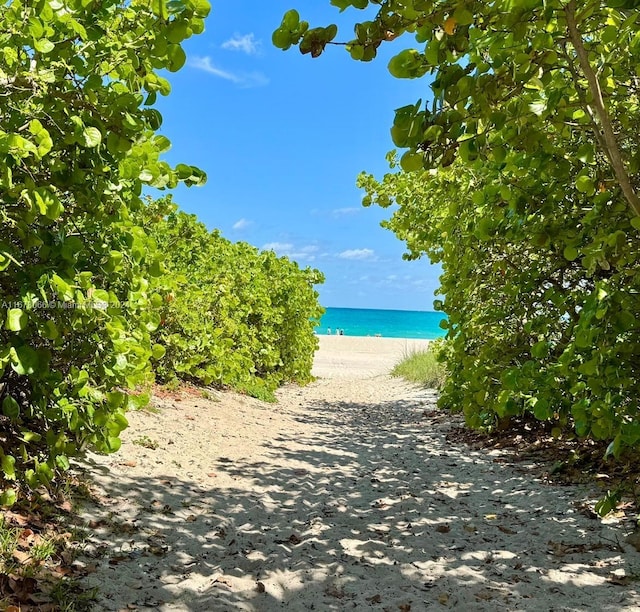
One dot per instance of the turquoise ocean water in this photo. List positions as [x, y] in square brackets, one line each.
[386, 323]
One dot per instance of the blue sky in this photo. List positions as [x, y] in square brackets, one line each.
[282, 138]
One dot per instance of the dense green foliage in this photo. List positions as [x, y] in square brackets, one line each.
[529, 198]
[530, 330]
[510, 79]
[232, 315]
[77, 144]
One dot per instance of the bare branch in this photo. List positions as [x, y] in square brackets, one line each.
[610, 142]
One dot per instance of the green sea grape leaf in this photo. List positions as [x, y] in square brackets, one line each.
[17, 319]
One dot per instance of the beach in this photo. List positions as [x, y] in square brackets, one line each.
[361, 357]
[347, 494]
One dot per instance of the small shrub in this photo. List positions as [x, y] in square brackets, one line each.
[423, 368]
[231, 316]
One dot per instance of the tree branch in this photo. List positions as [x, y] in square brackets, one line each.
[612, 149]
[582, 97]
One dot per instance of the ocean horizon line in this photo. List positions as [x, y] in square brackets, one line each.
[379, 322]
[382, 309]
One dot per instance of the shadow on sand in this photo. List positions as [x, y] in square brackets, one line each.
[377, 511]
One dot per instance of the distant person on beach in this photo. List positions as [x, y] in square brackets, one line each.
[329, 330]
[342, 332]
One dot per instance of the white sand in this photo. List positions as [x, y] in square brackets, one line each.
[353, 357]
[346, 495]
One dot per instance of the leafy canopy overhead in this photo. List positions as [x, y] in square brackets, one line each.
[507, 77]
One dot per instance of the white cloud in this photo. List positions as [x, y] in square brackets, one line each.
[252, 79]
[205, 63]
[357, 254]
[278, 247]
[336, 213]
[241, 224]
[246, 44]
[420, 284]
[286, 249]
[345, 212]
[301, 256]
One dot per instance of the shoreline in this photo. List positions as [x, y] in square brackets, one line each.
[374, 336]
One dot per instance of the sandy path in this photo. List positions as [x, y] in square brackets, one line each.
[348, 357]
[344, 496]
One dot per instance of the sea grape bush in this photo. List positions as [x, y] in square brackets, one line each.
[530, 331]
[78, 81]
[520, 176]
[232, 315]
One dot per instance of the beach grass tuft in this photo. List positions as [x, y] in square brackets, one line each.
[423, 368]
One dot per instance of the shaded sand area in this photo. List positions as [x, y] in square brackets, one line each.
[346, 495]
